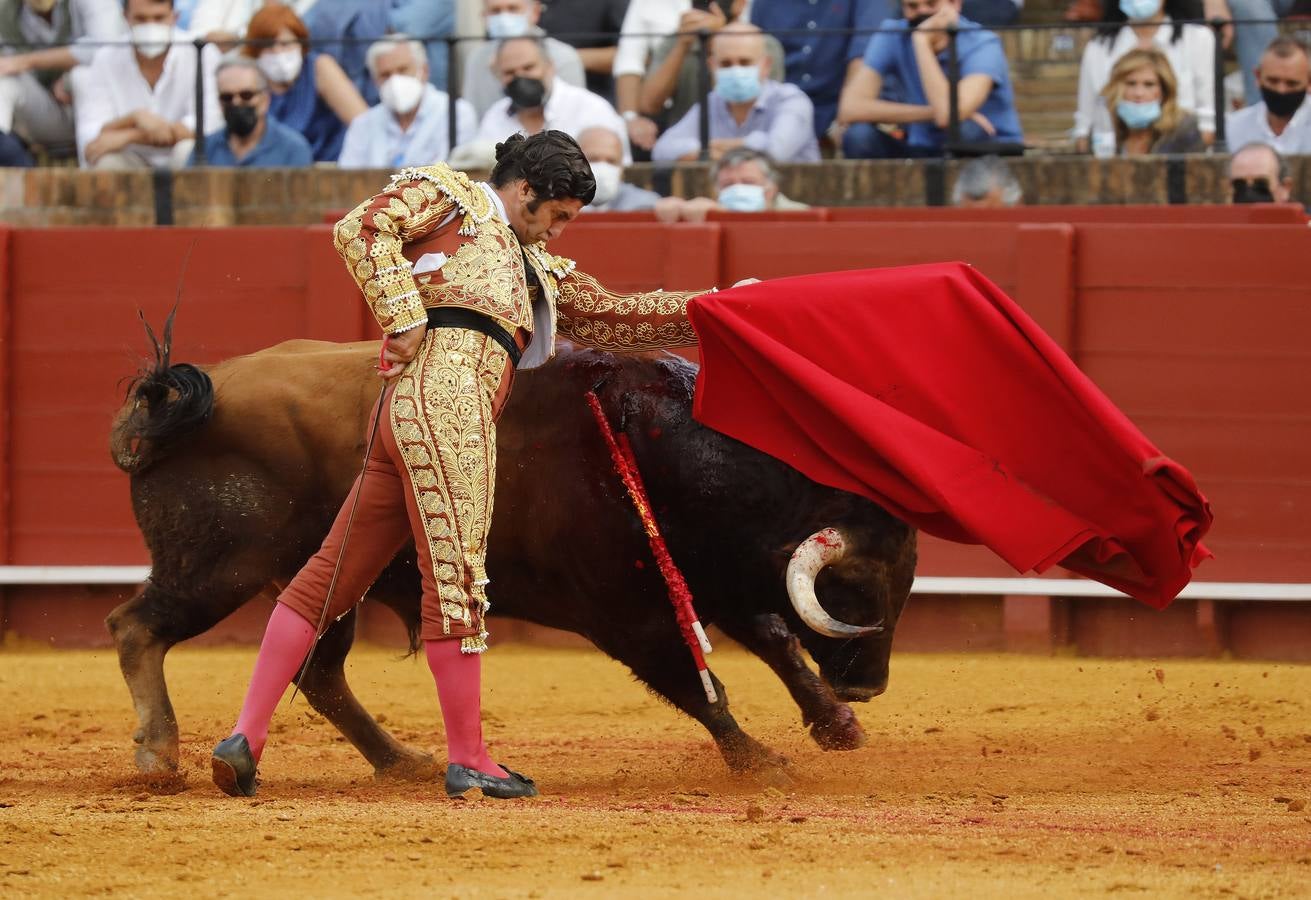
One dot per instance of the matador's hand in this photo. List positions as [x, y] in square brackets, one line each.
[398, 350]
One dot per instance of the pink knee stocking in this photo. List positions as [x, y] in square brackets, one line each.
[459, 688]
[287, 639]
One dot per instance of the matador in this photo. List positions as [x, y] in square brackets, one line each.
[458, 275]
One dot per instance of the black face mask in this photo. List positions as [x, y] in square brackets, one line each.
[1255, 191]
[241, 120]
[1282, 105]
[526, 93]
[918, 21]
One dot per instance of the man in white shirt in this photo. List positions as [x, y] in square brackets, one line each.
[537, 100]
[409, 127]
[511, 19]
[136, 105]
[34, 97]
[1283, 117]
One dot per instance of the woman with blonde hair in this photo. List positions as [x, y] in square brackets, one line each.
[1142, 99]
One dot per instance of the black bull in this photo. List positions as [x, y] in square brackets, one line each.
[233, 503]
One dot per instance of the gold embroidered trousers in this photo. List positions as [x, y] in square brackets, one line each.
[430, 478]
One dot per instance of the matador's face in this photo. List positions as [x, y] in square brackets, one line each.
[545, 223]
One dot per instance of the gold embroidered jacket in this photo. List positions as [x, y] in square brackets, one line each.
[483, 269]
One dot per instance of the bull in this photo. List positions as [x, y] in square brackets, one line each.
[237, 471]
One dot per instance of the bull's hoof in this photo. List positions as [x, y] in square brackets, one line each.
[750, 757]
[157, 760]
[409, 765]
[842, 733]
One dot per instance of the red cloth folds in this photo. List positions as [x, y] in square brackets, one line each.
[929, 391]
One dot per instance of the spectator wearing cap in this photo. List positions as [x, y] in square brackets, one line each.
[745, 181]
[747, 107]
[914, 51]
[1258, 174]
[592, 28]
[986, 183]
[408, 127]
[605, 153]
[512, 19]
[1283, 117]
[251, 138]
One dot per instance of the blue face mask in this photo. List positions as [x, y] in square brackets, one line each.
[743, 198]
[1138, 115]
[1140, 9]
[738, 84]
[506, 25]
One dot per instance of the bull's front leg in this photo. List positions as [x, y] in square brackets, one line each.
[832, 723]
[328, 692]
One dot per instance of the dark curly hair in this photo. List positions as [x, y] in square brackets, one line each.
[550, 161]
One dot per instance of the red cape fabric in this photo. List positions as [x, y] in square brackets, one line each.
[929, 391]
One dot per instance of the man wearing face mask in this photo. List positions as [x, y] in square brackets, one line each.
[1282, 118]
[251, 139]
[408, 128]
[747, 107]
[536, 100]
[136, 104]
[507, 19]
[35, 102]
[1258, 174]
[745, 181]
[605, 154]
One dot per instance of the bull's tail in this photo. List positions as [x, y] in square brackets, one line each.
[165, 402]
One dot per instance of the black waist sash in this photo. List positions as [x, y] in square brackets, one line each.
[459, 317]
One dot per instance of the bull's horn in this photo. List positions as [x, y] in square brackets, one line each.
[823, 548]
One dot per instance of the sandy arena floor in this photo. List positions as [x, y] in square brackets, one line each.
[985, 776]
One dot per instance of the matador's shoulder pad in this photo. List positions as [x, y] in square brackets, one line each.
[559, 266]
[467, 196]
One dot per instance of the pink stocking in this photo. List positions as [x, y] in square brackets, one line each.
[459, 688]
[287, 639]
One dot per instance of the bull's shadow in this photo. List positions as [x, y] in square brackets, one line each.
[233, 503]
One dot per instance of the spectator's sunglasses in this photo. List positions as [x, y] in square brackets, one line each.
[244, 96]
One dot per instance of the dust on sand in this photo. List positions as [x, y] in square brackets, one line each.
[984, 776]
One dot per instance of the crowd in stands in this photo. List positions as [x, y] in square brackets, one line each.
[364, 83]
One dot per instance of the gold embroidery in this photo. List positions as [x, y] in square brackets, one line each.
[591, 315]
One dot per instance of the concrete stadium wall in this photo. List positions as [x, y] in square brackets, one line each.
[1196, 331]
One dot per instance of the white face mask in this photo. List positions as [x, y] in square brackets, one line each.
[281, 66]
[507, 25]
[151, 39]
[608, 178]
[401, 93]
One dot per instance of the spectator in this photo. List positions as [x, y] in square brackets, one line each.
[1258, 174]
[600, 21]
[672, 84]
[251, 138]
[913, 50]
[1283, 118]
[1140, 24]
[1251, 38]
[536, 99]
[747, 107]
[511, 19]
[136, 105]
[992, 13]
[810, 58]
[1141, 98]
[34, 95]
[409, 127]
[605, 152]
[309, 91]
[745, 181]
[644, 23]
[986, 183]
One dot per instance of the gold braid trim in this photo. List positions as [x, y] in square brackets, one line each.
[558, 266]
[589, 314]
[471, 200]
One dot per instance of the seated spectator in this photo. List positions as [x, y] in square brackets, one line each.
[535, 99]
[1283, 118]
[672, 84]
[986, 183]
[481, 85]
[992, 13]
[409, 126]
[914, 51]
[309, 90]
[136, 105]
[605, 152]
[1189, 48]
[747, 107]
[1258, 174]
[592, 28]
[34, 97]
[252, 138]
[745, 181]
[1256, 30]
[1141, 99]
[811, 52]
[644, 25]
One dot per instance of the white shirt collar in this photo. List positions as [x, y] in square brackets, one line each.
[497, 203]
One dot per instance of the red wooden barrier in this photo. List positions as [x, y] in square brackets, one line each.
[1240, 214]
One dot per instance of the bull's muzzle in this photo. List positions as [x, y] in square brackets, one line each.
[823, 548]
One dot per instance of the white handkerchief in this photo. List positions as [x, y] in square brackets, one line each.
[429, 262]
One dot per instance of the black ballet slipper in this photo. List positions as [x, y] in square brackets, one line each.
[234, 767]
[460, 779]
